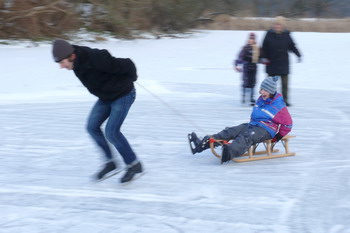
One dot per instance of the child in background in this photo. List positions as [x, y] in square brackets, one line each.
[248, 59]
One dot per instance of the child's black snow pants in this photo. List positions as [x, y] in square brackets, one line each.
[243, 137]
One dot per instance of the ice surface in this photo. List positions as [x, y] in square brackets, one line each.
[47, 158]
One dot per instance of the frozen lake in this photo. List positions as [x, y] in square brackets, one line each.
[47, 158]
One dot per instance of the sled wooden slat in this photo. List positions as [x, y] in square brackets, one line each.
[263, 157]
[252, 153]
[261, 152]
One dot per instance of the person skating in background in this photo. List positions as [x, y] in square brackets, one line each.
[112, 81]
[276, 45]
[269, 119]
[247, 64]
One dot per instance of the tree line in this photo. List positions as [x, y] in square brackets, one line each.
[42, 19]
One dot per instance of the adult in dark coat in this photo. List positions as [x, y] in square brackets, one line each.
[112, 81]
[276, 45]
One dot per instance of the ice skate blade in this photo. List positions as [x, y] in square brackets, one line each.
[110, 174]
[137, 176]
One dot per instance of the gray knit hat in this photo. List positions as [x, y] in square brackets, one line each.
[61, 49]
[270, 84]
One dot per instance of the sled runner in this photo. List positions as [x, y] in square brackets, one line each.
[268, 153]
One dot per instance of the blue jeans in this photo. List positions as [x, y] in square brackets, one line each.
[116, 112]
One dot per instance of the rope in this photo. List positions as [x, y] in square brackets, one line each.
[173, 109]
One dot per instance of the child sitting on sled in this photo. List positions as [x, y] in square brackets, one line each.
[270, 119]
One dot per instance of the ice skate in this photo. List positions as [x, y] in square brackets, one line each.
[132, 173]
[196, 144]
[110, 169]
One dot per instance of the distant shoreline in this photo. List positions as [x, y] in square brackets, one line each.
[227, 22]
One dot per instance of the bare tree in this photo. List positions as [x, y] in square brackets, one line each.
[35, 19]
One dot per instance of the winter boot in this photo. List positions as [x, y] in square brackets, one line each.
[243, 95]
[131, 172]
[110, 166]
[225, 156]
[252, 100]
[198, 145]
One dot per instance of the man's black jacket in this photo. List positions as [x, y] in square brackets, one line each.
[103, 75]
[275, 48]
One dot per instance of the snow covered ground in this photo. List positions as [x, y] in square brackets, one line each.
[47, 158]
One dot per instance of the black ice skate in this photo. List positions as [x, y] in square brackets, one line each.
[132, 172]
[107, 171]
[198, 145]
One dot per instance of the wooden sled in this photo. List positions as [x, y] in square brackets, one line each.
[252, 154]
